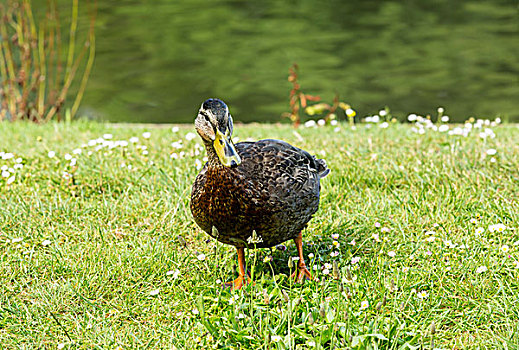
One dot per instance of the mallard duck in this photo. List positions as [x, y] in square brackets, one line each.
[253, 194]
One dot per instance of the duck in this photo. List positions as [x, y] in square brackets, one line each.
[253, 194]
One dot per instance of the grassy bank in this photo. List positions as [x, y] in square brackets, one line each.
[98, 247]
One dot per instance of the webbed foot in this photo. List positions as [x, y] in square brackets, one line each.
[243, 277]
[238, 283]
[302, 274]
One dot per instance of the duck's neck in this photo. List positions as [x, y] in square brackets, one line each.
[213, 160]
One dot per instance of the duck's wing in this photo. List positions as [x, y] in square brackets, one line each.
[281, 165]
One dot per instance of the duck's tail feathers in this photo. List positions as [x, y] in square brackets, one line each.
[322, 168]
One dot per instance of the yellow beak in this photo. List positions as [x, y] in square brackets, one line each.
[225, 150]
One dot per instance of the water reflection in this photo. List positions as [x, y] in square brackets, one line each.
[158, 60]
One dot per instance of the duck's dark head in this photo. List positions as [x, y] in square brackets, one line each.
[214, 125]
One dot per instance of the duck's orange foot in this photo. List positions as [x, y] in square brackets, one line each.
[302, 275]
[238, 283]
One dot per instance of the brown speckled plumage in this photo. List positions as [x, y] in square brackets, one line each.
[275, 192]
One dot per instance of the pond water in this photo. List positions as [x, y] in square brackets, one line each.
[158, 60]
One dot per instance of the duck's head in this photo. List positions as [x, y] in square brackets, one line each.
[214, 125]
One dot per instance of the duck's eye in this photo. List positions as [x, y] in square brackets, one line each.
[204, 114]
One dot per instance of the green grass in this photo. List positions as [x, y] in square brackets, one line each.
[116, 232]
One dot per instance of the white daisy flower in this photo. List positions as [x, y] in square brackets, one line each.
[190, 136]
[275, 338]
[174, 274]
[422, 294]
[497, 228]
[481, 269]
[177, 144]
[10, 180]
[505, 248]
[310, 124]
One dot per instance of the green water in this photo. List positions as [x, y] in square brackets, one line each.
[158, 60]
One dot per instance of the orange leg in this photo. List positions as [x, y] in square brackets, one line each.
[242, 278]
[303, 271]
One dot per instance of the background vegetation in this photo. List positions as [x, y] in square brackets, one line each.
[157, 60]
[38, 66]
